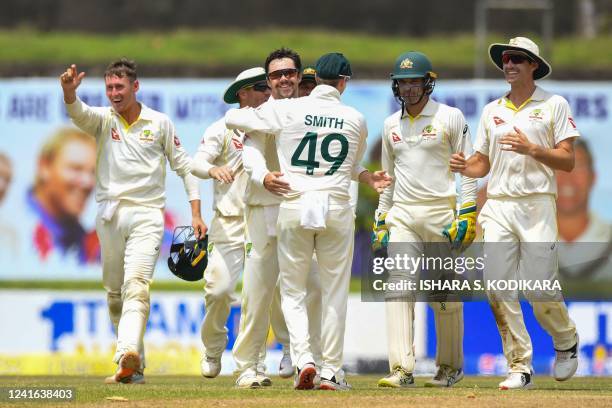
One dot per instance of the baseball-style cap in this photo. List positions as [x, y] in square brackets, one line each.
[333, 66]
[308, 74]
[245, 78]
[526, 46]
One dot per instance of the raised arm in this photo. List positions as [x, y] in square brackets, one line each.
[70, 81]
[267, 118]
[86, 118]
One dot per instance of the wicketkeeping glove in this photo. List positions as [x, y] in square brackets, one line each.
[380, 231]
[462, 231]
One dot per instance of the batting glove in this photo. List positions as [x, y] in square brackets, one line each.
[380, 231]
[462, 231]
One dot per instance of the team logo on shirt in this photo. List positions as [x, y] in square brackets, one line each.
[395, 137]
[498, 121]
[146, 136]
[429, 132]
[248, 247]
[177, 142]
[536, 114]
[237, 143]
[115, 135]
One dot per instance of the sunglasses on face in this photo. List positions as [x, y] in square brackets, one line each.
[515, 58]
[287, 73]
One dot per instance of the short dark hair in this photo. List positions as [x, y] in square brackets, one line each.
[330, 82]
[122, 68]
[284, 53]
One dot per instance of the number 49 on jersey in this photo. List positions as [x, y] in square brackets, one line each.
[309, 143]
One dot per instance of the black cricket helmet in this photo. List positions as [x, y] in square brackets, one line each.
[188, 255]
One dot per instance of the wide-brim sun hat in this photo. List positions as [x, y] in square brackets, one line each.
[245, 78]
[526, 46]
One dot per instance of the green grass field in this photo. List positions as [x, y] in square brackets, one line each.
[174, 391]
[218, 48]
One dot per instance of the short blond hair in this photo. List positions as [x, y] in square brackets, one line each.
[56, 142]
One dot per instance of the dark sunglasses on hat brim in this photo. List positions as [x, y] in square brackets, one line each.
[259, 87]
[287, 73]
[516, 58]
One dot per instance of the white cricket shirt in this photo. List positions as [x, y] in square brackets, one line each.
[131, 159]
[546, 119]
[223, 147]
[416, 153]
[319, 141]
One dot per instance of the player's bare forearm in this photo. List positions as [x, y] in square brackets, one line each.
[197, 223]
[195, 208]
[476, 166]
[379, 180]
[222, 174]
[559, 158]
[274, 184]
[69, 96]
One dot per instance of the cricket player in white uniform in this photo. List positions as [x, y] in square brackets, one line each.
[419, 210]
[522, 138]
[219, 157]
[319, 142]
[260, 291]
[133, 143]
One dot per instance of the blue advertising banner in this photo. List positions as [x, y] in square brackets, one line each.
[483, 348]
[47, 210]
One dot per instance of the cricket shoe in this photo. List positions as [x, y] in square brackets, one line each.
[517, 381]
[399, 378]
[334, 385]
[317, 379]
[445, 377]
[264, 379]
[304, 379]
[261, 367]
[136, 378]
[566, 362]
[286, 368]
[249, 379]
[210, 366]
[129, 364]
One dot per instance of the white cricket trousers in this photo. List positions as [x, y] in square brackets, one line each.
[130, 244]
[260, 293]
[225, 264]
[334, 250]
[520, 236]
[411, 226]
[258, 285]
